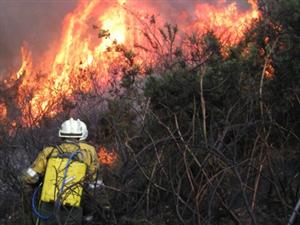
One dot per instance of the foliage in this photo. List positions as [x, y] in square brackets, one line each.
[208, 135]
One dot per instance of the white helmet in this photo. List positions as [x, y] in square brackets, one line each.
[73, 129]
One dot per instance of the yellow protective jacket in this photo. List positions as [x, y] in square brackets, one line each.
[88, 156]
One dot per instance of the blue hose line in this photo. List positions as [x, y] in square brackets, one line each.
[34, 208]
[57, 202]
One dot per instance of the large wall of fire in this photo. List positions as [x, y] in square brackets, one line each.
[57, 71]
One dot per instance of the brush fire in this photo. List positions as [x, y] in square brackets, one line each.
[106, 157]
[84, 54]
[81, 58]
[149, 111]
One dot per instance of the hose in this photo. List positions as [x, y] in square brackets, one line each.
[33, 205]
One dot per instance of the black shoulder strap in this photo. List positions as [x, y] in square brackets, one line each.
[59, 149]
[49, 156]
[64, 154]
[78, 148]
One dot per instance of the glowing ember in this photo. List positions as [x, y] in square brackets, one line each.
[106, 157]
[269, 71]
[3, 111]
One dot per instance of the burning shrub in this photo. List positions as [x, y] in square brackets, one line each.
[203, 139]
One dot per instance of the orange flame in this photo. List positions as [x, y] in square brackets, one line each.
[106, 157]
[80, 59]
[26, 66]
[227, 22]
[79, 49]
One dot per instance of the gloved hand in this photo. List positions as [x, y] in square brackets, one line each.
[26, 186]
[27, 189]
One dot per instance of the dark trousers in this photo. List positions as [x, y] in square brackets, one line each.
[65, 215]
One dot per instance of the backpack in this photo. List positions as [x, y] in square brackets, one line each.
[63, 180]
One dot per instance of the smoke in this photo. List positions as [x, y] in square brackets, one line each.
[36, 22]
[39, 22]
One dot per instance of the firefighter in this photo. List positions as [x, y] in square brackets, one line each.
[64, 169]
